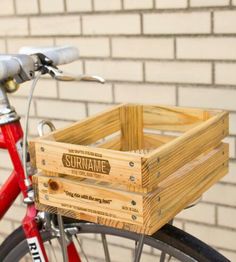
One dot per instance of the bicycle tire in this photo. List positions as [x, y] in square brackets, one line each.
[169, 239]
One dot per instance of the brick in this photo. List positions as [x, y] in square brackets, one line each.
[14, 44]
[230, 255]
[142, 47]
[227, 216]
[221, 194]
[116, 70]
[145, 94]
[55, 25]
[79, 5]
[88, 46]
[72, 68]
[232, 146]
[212, 235]
[178, 72]
[96, 108]
[5, 172]
[20, 104]
[138, 4]
[115, 251]
[206, 48]
[224, 22]
[202, 212]
[207, 97]
[60, 110]
[100, 5]
[148, 257]
[160, 4]
[126, 24]
[206, 3]
[27, 6]
[15, 213]
[178, 223]
[6, 226]
[231, 176]
[225, 73]
[52, 6]
[2, 47]
[44, 88]
[85, 91]
[13, 26]
[177, 23]
[113, 240]
[6, 7]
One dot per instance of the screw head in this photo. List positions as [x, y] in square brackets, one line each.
[43, 162]
[133, 202]
[42, 149]
[46, 197]
[134, 217]
[131, 164]
[132, 178]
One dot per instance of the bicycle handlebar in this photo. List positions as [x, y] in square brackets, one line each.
[11, 65]
[59, 55]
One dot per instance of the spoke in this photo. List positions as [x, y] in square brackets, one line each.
[63, 238]
[53, 250]
[163, 256]
[105, 247]
[81, 248]
[139, 249]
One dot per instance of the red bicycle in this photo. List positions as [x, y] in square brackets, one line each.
[40, 229]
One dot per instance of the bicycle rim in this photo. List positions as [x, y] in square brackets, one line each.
[168, 244]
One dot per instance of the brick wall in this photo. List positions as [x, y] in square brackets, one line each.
[177, 52]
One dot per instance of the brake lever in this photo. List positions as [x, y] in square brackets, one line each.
[61, 76]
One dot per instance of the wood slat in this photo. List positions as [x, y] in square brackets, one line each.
[163, 161]
[82, 161]
[155, 140]
[174, 118]
[131, 117]
[132, 211]
[112, 143]
[91, 129]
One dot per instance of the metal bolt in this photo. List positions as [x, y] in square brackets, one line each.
[133, 202]
[42, 149]
[43, 162]
[134, 217]
[132, 178]
[131, 164]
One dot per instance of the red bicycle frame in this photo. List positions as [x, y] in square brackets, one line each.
[11, 136]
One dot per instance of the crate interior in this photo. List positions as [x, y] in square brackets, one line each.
[131, 127]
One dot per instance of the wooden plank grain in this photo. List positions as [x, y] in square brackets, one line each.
[163, 161]
[89, 162]
[174, 118]
[91, 129]
[131, 117]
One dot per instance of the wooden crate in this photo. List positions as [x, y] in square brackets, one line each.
[109, 204]
[111, 146]
[121, 168]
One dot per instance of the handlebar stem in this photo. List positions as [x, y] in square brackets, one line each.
[7, 112]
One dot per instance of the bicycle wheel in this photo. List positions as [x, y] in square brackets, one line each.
[168, 244]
